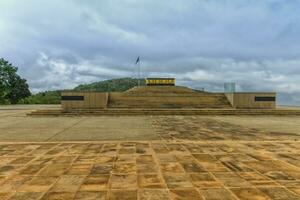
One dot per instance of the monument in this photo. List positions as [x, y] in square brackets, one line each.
[161, 96]
[162, 93]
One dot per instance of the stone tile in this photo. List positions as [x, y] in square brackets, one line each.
[2, 179]
[5, 195]
[206, 158]
[274, 165]
[193, 148]
[160, 149]
[38, 184]
[125, 181]
[42, 160]
[26, 196]
[124, 168]
[214, 167]
[162, 158]
[216, 193]
[253, 176]
[95, 183]
[12, 184]
[55, 152]
[184, 158]
[126, 158]
[127, 151]
[86, 195]
[154, 194]
[150, 181]
[296, 190]
[177, 180]
[127, 144]
[176, 148]
[144, 159]
[7, 170]
[204, 180]
[199, 177]
[79, 169]
[249, 194]
[147, 169]
[123, 195]
[58, 196]
[172, 167]
[101, 169]
[185, 194]
[208, 184]
[231, 179]
[294, 174]
[143, 150]
[191, 167]
[31, 170]
[236, 166]
[84, 159]
[104, 159]
[6, 160]
[292, 183]
[278, 175]
[109, 151]
[54, 170]
[265, 184]
[279, 193]
[68, 183]
[21, 161]
[63, 159]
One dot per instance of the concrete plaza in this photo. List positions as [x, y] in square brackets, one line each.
[148, 157]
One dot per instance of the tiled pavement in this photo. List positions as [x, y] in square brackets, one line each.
[193, 158]
[151, 170]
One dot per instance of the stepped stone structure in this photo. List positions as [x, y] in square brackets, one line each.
[166, 97]
[162, 97]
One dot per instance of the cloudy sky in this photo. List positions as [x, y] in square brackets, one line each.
[203, 43]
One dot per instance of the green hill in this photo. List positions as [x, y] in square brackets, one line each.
[113, 85]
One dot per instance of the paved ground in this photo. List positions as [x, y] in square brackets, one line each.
[150, 170]
[166, 157]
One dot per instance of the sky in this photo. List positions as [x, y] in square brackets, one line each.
[202, 43]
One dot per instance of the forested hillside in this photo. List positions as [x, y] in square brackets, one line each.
[113, 85]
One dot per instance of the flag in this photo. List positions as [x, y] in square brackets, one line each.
[137, 60]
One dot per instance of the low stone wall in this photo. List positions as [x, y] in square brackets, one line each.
[84, 100]
[100, 100]
[258, 100]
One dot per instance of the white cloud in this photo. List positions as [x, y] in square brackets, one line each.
[202, 43]
[98, 24]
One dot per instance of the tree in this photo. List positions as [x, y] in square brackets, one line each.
[12, 87]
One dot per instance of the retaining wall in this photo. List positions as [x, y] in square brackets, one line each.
[84, 100]
[260, 100]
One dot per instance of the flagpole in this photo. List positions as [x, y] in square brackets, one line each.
[139, 72]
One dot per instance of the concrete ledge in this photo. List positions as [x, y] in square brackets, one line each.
[88, 100]
[121, 112]
[250, 100]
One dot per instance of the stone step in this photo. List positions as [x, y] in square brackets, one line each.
[164, 112]
[167, 100]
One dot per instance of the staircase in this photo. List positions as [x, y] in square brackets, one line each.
[128, 112]
[165, 100]
[164, 97]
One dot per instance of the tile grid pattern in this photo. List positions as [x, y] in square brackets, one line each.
[151, 170]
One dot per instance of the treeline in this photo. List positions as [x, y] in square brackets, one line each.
[47, 97]
[15, 90]
[113, 85]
